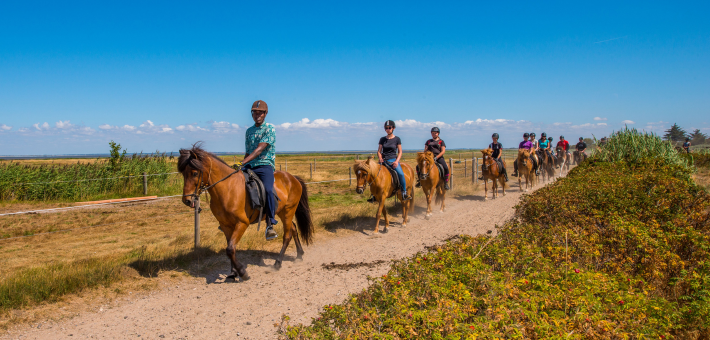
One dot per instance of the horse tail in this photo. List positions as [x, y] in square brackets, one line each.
[439, 197]
[303, 214]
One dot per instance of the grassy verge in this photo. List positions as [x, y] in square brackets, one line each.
[615, 250]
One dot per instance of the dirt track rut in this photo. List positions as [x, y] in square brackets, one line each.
[207, 308]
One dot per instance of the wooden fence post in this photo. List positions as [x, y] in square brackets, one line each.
[286, 165]
[145, 184]
[197, 222]
[465, 167]
[451, 172]
[311, 169]
[475, 177]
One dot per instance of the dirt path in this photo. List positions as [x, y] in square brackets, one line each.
[207, 308]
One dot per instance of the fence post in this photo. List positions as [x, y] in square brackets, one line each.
[197, 222]
[279, 167]
[465, 167]
[357, 157]
[311, 169]
[350, 176]
[475, 177]
[145, 184]
[451, 172]
[314, 164]
[286, 165]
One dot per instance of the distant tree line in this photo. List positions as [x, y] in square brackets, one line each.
[677, 134]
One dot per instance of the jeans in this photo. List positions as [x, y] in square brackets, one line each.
[400, 174]
[266, 175]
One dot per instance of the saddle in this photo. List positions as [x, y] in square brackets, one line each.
[441, 170]
[395, 179]
[256, 193]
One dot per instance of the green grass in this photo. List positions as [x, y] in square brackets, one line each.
[631, 145]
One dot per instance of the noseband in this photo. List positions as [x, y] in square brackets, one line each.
[201, 187]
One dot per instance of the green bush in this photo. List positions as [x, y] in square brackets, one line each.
[614, 250]
[631, 145]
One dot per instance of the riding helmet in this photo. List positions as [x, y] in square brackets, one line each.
[581, 138]
[495, 135]
[543, 135]
[435, 129]
[389, 123]
[532, 134]
[260, 105]
[562, 137]
[526, 135]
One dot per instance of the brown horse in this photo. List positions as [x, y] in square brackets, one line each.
[525, 168]
[380, 181]
[230, 205]
[490, 171]
[547, 165]
[579, 157]
[431, 181]
[562, 160]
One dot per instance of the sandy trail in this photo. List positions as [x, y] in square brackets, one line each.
[207, 308]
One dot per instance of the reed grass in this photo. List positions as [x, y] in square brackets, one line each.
[632, 146]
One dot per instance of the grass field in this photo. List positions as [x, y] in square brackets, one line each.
[113, 246]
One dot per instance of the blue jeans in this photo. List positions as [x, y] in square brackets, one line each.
[400, 174]
[266, 175]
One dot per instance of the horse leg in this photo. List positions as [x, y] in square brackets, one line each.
[405, 209]
[297, 240]
[289, 230]
[428, 195]
[379, 213]
[502, 184]
[233, 237]
[386, 216]
[485, 188]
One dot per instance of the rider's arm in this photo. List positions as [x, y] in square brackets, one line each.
[379, 153]
[441, 154]
[251, 156]
[399, 155]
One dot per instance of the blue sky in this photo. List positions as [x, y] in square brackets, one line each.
[161, 76]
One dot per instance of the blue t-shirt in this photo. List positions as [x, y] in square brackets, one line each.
[266, 133]
[543, 143]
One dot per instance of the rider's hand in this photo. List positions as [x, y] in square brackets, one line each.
[395, 164]
[237, 165]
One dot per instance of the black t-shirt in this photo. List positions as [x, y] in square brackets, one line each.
[581, 146]
[496, 149]
[434, 146]
[389, 147]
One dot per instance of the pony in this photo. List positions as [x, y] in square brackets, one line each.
[547, 165]
[431, 181]
[562, 159]
[525, 168]
[204, 171]
[380, 181]
[490, 171]
[579, 157]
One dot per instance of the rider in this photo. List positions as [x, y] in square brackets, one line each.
[437, 146]
[390, 151]
[543, 144]
[686, 145]
[581, 148]
[525, 144]
[497, 153]
[564, 144]
[534, 142]
[260, 157]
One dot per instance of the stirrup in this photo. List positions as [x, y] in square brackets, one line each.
[270, 233]
[446, 186]
[407, 197]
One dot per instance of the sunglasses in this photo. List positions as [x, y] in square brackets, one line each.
[388, 128]
[258, 112]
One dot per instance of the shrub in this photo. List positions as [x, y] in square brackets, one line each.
[631, 145]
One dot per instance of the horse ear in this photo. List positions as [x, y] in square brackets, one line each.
[369, 157]
[193, 154]
[428, 153]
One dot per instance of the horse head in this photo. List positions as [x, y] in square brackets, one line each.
[363, 170]
[523, 157]
[424, 160]
[195, 165]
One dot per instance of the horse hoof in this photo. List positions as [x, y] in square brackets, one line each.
[277, 265]
[427, 217]
[384, 231]
[245, 277]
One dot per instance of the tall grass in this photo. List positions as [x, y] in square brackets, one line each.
[632, 146]
[82, 180]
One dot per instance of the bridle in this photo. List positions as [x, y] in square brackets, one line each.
[368, 175]
[424, 175]
[201, 187]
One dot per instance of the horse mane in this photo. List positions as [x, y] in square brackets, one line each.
[487, 152]
[365, 165]
[195, 157]
[523, 153]
[425, 156]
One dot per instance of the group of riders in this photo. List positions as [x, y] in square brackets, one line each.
[260, 155]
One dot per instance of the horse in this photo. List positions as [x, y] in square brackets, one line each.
[430, 180]
[380, 181]
[562, 159]
[525, 168]
[547, 166]
[579, 157]
[490, 171]
[230, 205]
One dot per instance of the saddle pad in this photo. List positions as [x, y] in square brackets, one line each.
[395, 179]
[441, 170]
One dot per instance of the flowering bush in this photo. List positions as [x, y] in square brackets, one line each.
[614, 250]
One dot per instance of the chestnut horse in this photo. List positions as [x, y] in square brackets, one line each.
[203, 171]
[547, 165]
[431, 181]
[380, 181]
[525, 168]
[562, 160]
[490, 171]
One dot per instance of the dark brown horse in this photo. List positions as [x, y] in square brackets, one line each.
[491, 171]
[380, 181]
[547, 165]
[229, 203]
[431, 181]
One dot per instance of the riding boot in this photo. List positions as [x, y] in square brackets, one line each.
[505, 173]
[406, 197]
[270, 232]
[446, 185]
[417, 185]
[372, 199]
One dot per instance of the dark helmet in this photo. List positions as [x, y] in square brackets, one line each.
[259, 105]
[526, 135]
[549, 138]
[435, 129]
[495, 135]
[532, 134]
[543, 135]
[562, 137]
[389, 123]
[581, 138]
[687, 139]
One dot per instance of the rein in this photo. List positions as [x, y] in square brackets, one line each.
[202, 188]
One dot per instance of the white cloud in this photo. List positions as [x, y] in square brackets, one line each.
[656, 126]
[306, 123]
[147, 123]
[106, 127]
[4, 127]
[63, 124]
[628, 122]
[224, 127]
[599, 118]
[44, 126]
[588, 125]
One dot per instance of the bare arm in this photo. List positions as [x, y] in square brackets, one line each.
[399, 156]
[251, 156]
[379, 152]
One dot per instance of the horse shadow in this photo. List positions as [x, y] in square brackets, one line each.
[365, 224]
[469, 198]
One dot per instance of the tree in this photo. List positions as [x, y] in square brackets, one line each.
[675, 133]
[698, 137]
[116, 155]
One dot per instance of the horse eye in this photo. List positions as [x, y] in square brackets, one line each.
[194, 173]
